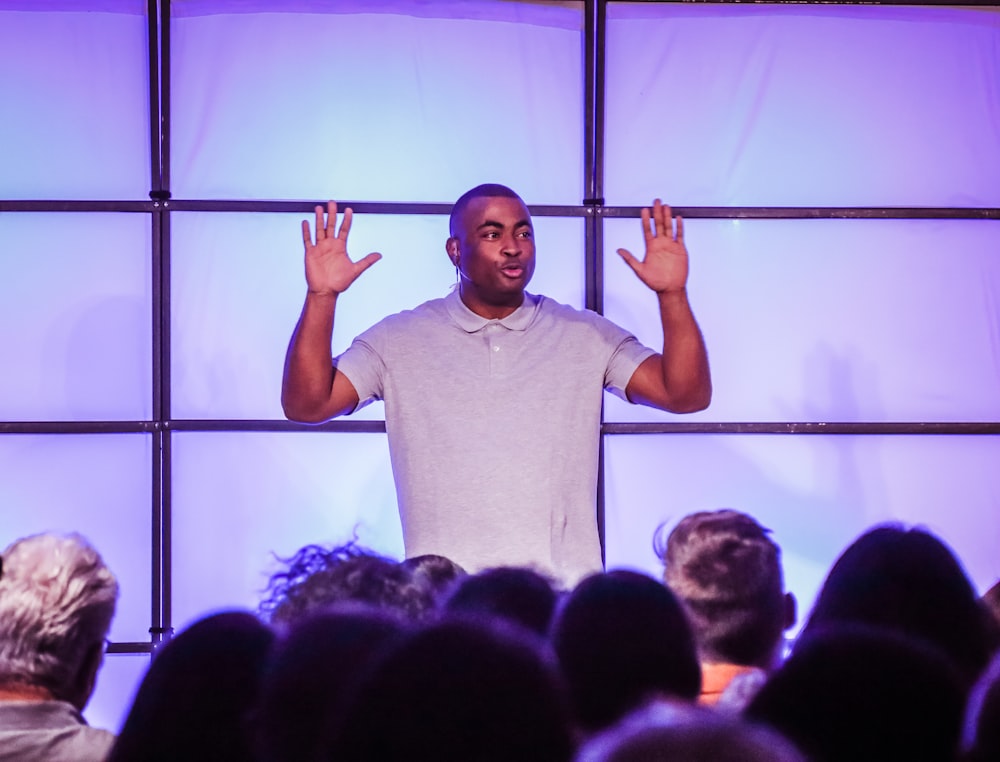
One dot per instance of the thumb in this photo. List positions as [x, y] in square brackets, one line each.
[367, 261]
[630, 260]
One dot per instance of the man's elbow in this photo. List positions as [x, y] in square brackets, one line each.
[693, 403]
[296, 411]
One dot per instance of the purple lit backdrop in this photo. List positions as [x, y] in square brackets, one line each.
[873, 320]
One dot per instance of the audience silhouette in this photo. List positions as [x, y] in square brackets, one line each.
[668, 731]
[313, 669]
[621, 638]
[459, 690]
[518, 594]
[194, 701]
[355, 656]
[854, 693]
[909, 581]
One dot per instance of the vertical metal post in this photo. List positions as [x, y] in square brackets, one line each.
[158, 12]
[595, 12]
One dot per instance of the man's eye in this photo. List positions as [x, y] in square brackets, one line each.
[525, 234]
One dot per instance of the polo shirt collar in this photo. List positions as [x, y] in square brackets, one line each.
[470, 322]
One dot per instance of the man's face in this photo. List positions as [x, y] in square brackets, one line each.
[494, 251]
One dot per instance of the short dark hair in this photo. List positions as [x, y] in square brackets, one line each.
[486, 190]
[726, 570]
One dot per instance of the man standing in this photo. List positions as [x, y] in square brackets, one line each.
[57, 599]
[492, 394]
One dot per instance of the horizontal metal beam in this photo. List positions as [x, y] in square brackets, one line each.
[378, 427]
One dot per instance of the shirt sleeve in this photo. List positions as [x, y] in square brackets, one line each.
[364, 365]
[627, 356]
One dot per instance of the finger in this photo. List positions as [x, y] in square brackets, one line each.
[647, 226]
[331, 219]
[680, 229]
[306, 233]
[320, 225]
[664, 220]
[345, 225]
[661, 229]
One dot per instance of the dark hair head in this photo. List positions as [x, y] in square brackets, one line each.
[673, 732]
[726, 570]
[622, 637]
[487, 190]
[907, 580]
[317, 577]
[459, 690]
[194, 700]
[858, 693]
[315, 666]
[518, 594]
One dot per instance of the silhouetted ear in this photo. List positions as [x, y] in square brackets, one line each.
[791, 610]
[451, 246]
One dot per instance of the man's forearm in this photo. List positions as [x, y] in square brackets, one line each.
[684, 361]
[308, 376]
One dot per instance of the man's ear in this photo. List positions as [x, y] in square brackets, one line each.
[451, 246]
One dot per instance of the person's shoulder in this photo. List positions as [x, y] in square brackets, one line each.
[432, 309]
[551, 309]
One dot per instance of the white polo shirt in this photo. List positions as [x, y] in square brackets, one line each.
[494, 427]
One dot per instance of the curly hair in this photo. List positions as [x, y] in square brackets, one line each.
[316, 577]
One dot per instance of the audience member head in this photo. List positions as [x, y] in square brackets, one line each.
[910, 581]
[622, 637]
[852, 693]
[726, 570]
[314, 666]
[459, 690]
[318, 576]
[518, 594]
[57, 600]
[437, 574]
[194, 701]
[981, 733]
[665, 731]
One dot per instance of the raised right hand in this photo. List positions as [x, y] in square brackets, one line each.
[329, 269]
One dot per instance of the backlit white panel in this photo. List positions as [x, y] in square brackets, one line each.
[74, 89]
[366, 101]
[97, 485]
[782, 105]
[832, 320]
[238, 288]
[241, 498]
[117, 682]
[75, 316]
[816, 493]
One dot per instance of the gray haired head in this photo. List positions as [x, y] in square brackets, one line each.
[57, 600]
